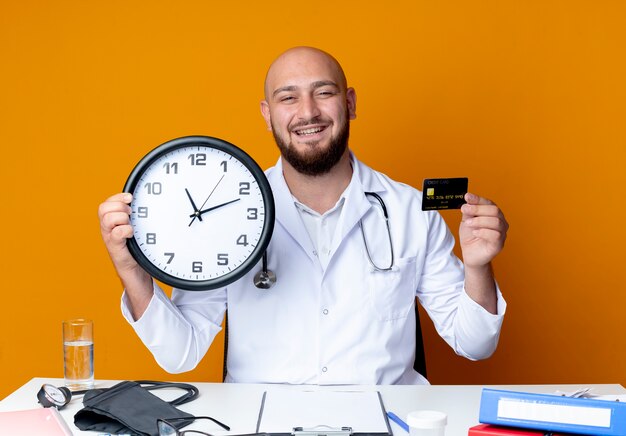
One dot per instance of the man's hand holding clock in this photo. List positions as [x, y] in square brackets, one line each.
[116, 229]
[149, 232]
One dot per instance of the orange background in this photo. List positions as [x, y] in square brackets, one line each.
[526, 98]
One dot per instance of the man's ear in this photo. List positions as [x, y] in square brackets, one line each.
[351, 100]
[265, 111]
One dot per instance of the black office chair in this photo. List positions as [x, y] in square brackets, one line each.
[420, 358]
[419, 364]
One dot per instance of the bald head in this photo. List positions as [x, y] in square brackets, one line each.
[298, 60]
[308, 108]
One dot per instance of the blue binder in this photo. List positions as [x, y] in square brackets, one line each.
[553, 413]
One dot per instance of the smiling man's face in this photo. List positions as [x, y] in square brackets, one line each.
[307, 107]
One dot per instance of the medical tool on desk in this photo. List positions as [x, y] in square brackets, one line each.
[59, 396]
[125, 408]
[266, 278]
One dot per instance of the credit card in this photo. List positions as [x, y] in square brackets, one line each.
[441, 194]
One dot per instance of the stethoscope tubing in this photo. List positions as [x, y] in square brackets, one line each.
[266, 278]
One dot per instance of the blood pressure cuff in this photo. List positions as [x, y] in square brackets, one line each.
[129, 408]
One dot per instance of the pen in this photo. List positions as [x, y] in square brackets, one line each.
[398, 421]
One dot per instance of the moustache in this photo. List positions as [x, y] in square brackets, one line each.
[312, 121]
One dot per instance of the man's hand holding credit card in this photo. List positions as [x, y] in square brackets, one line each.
[482, 233]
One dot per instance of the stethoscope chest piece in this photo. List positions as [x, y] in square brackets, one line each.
[264, 279]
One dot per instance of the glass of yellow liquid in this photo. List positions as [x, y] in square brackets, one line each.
[78, 353]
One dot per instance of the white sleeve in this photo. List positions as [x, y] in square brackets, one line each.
[465, 325]
[477, 330]
[178, 332]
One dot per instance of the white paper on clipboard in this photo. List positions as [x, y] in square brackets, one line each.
[284, 409]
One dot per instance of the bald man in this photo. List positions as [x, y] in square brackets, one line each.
[335, 315]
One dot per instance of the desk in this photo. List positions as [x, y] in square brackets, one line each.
[238, 404]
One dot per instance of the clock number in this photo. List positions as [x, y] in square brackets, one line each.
[242, 240]
[151, 238]
[171, 257]
[222, 259]
[142, 212]
[253, 213]
[154, 188]
[244, 188]
[171, 167]
[196, 266]
[224, 165]
[198, 159]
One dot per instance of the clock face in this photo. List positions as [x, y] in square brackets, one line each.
[202, 213]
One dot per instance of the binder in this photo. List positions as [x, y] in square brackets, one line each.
[553, 413]
[496, 430]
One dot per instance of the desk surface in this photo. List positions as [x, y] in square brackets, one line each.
[238, 404]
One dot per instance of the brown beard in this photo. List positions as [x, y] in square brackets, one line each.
[315, 162]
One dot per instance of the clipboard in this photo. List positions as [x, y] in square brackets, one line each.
[289, 412]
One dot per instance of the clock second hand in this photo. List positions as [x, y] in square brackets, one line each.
[207, 199]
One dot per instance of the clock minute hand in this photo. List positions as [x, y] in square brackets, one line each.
[195, 208]
[213, 208]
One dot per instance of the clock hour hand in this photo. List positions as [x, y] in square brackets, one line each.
[199, 213]
[195, 208]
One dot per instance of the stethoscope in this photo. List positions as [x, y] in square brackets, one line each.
[367, 250]
[266, 278]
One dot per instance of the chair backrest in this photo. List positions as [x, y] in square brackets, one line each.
[420, 358]
[419, 364]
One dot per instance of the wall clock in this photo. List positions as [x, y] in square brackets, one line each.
[202, 213]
